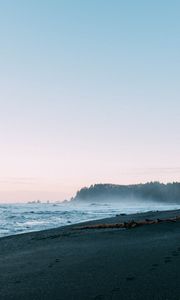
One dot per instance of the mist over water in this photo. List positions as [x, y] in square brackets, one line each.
[21, 218]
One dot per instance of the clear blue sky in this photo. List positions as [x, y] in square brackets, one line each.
[89, 93]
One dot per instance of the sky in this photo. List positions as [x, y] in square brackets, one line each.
[89, 93]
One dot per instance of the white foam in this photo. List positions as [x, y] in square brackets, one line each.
[20, 218]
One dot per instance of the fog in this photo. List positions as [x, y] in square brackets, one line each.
[118, 206]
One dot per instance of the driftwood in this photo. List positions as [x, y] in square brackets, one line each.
[130, 224]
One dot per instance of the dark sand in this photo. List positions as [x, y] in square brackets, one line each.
[67, 263]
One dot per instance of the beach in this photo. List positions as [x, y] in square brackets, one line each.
[111, 263]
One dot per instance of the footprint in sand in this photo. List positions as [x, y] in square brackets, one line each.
[174, 253]
[167, 261]
[99, 297]
[130, 278]
[155, 265]
[152, 269]
[17, 281]
[115, 290]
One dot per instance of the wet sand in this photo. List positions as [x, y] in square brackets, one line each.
[70, 263]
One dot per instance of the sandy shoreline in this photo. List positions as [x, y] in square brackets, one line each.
[68, 263]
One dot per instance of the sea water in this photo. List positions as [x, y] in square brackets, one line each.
[21, 218]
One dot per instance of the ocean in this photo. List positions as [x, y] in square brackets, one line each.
[21, 218]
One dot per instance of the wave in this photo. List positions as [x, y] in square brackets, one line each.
[21, 218]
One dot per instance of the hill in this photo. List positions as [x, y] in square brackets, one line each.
[155, 191]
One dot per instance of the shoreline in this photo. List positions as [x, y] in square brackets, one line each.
[108, 263]
[122, 217]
